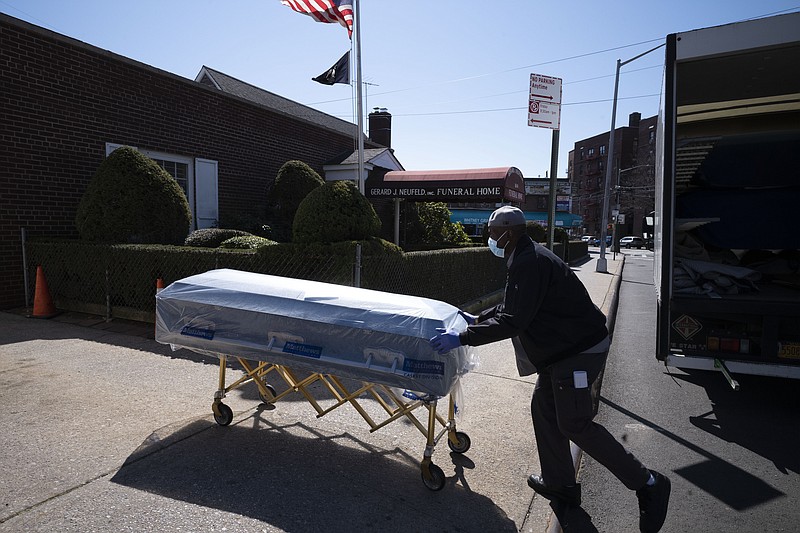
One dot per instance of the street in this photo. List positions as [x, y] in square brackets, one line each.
[731, 456]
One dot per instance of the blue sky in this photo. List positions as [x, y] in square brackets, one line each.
[454, 74]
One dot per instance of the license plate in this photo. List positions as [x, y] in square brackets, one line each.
[789, 350]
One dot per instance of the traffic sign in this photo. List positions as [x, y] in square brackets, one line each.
[546, 88]
[544, 104]
[544, 115]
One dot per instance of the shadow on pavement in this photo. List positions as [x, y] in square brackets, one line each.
[573, 519]
[751, 417]
[298, 479]
[714, 475]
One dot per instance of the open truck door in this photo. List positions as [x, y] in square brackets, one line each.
[727, 192]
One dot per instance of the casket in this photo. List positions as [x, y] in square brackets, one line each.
[324, 328]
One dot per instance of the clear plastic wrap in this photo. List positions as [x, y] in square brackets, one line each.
[329, 329]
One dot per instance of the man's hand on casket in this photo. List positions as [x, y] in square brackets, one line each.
[445, 341]
[471, 319]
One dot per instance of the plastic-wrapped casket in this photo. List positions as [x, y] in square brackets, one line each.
[324, 328]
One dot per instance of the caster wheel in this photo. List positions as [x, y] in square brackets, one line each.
[463, 443]
[434, 479]
[225, 415]
[272, 391]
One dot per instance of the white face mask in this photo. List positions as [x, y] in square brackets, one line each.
[496, 250]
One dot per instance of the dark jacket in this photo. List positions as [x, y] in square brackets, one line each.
[545, 305]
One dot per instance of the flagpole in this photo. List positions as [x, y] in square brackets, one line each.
[357, 33]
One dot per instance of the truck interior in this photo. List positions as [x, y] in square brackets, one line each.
[736, 201]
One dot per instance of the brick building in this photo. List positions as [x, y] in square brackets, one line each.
[66, 104]
[633, 176]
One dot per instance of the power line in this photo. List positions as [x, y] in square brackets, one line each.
[512, 108]
[570, 58]
[560, 60]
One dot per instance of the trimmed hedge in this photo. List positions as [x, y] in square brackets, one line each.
[295, 180]
[246, 242]
[123, 276]
[130, 199]
[335, 212]
[212, 237]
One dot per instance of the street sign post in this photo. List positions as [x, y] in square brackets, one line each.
[544, 104]
[544, 111]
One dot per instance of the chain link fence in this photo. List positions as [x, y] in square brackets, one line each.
[120, 280]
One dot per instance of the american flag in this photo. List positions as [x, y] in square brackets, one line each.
[329, 11]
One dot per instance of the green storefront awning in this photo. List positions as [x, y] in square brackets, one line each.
[481, 216]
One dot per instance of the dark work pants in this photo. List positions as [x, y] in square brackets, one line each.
[562, 413]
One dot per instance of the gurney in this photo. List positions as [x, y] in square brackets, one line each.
[312, 337]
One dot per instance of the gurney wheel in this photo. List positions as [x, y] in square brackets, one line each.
[463, 443]
[271, 390]
[225, 415]
[435, 478]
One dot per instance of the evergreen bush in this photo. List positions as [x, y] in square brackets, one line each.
[295, 180]
[435, 220]
[536, 231]
[130, 199]
[212, 237]
[246, 242]
[335, 212]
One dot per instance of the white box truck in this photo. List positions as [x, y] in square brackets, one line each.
[727, 219]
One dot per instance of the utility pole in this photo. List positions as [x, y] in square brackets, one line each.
[602, 263]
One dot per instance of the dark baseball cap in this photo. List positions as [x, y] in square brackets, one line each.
[506, 216]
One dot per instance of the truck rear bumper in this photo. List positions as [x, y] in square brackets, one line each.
[735, 367]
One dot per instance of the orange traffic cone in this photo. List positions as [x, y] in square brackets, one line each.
[42, 302]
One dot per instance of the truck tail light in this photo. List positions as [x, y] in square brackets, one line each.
[712, 344]
[728, 344]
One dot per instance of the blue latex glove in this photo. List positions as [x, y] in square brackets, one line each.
[445, 341]
[471, 319]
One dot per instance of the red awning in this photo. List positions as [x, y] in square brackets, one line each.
[502, 184]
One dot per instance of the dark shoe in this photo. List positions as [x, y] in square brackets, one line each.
[569, 494]
[653, 501]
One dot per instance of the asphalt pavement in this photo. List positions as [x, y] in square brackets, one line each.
[731, 454]
[105, 430]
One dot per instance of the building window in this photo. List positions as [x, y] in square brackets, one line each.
[603, 149]
[197, 177]
[177, 170]
[591, 152]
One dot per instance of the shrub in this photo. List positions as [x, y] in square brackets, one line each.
[212, 237]
[246, 242]
[560, 235]
[130, 199]
[335, 212]
[437, 228]
[295, 180]
[536, 231]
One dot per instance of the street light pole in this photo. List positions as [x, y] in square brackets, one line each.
[617, 189]
[602, 263]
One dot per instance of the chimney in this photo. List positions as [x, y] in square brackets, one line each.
[380, 126]
[634, 119]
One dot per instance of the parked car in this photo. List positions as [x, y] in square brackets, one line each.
[589, 239]
[631, 241]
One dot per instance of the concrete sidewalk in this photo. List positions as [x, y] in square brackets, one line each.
[109, 431]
